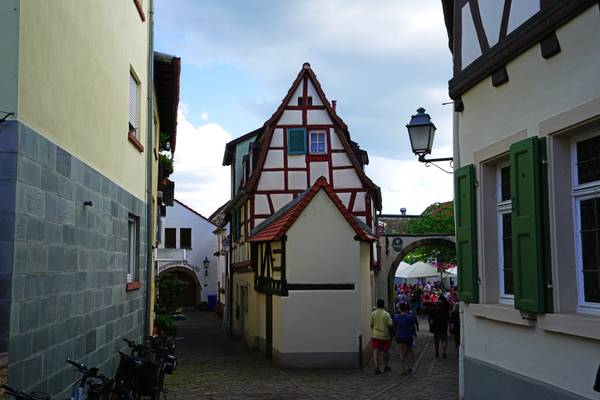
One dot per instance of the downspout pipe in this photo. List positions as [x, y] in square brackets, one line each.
[149, 165]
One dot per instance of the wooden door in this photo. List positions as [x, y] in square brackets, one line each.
[269, 322]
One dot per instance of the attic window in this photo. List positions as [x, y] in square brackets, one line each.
[310, 100]
[300, 100]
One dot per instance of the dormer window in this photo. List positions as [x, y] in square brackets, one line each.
[308, 100]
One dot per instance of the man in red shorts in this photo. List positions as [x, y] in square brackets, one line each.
[381, 326]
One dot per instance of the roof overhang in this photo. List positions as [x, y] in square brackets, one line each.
[167, 70]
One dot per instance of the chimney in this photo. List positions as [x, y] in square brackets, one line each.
[403, 211]
[334, 105]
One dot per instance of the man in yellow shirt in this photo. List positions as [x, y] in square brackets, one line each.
[381, 327]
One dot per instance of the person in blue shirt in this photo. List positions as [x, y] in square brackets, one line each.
[404, 329]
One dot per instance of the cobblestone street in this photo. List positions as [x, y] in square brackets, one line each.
[214, 366]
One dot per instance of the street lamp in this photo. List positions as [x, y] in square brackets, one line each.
[206, 264]
[421, 132]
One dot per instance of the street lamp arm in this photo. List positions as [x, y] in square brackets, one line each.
[432, 161]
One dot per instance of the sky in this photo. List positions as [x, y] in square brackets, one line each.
[380, 60]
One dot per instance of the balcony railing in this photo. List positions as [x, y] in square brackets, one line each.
[171, 255]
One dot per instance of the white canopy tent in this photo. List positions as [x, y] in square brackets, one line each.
[417, 270]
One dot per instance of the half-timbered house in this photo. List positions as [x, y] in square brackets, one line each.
[527, 184]
[302, 233]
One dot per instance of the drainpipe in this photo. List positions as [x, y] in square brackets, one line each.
[149, 163]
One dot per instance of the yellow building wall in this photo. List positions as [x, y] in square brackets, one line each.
[80, 101]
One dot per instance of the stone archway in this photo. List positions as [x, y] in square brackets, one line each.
[191, 296]
[428, 241]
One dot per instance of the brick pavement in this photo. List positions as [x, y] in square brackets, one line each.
[214, 366]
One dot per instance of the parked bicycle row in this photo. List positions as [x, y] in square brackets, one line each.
[140, 375]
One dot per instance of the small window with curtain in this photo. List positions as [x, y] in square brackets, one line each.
[296, 141]
[318, 142]
[134, 103]
[185, 238]
[170, 238]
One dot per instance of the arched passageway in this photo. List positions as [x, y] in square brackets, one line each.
[190, 296]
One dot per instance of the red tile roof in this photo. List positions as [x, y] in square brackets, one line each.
[275, 227]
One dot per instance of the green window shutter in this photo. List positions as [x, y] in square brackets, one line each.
[529, 225]
[466, 233]
[296, 141]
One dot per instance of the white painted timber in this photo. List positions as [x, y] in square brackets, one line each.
[311, 91]
[346, 179]
[271, 180]
[261, 204]
[359, 202]
[297, 180]
[318, 169]
[336, 144]
[290, 117]
[318, 117]
[298, 161]
[280, 200]
[470, 44]
[277, 139]
[345, 198]
[521, 11]
[274, 159]
[340, 159]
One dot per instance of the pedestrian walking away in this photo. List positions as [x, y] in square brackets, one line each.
[404, 329]
[455, 325]
[438, 320]
[381, 333]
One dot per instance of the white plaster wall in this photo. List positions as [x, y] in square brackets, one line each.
[521, 11]
[274, 159]
[290, 117]
[261, 204]
[311, 91]
[559, 360]
[336, 144]
[318, 169]
[491, 18]
[321, 246]
[299, 92]
[359, 202]
[204, 243]
[280, 200]
[559, 84]
[340, 159]
[331, 322]
[277, 138]
[271, 180]
[345, 198]
[363, 219]
[257, 221]
[297, 180]
[470, 44]
[318, 117]
[346, 178]
[298, 161]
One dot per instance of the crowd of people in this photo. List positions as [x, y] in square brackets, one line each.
[432, 301]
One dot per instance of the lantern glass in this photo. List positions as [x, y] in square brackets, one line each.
[206, 263]
[421, 138]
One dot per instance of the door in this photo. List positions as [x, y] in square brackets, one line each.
[269, 322]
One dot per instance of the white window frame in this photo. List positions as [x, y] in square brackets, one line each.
[133, 78]
[585, 191]
[310, 141]
[133, 259]
[503, 207]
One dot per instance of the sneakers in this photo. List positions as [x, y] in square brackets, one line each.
[377, 371]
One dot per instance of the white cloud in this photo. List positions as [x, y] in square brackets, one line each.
[410, 184]
[204, 116]
[201, 181]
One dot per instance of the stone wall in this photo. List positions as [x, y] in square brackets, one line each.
[69, 269]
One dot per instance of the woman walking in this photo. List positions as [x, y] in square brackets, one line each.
[404, 326]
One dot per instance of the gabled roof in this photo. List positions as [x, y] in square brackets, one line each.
[219, 215]
[195, 212]
[278, 224]
[230, 147]
[340, 127]
[166, 85]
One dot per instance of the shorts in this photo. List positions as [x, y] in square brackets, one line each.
[440, 337]
[408, 342]
[380, 344]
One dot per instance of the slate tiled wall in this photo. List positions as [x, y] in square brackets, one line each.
[68, 263]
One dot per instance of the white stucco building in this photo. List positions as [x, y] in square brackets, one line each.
[187, 242]
[527, 195]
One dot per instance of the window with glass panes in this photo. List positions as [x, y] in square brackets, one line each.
[586, 195]
[504, 232]
[318, 144]
[133, 249]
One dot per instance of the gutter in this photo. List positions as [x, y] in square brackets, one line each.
[150, 150]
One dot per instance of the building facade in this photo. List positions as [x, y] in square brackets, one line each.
[78, 200]
[187, 243]
[527, 153]
[301, 223]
